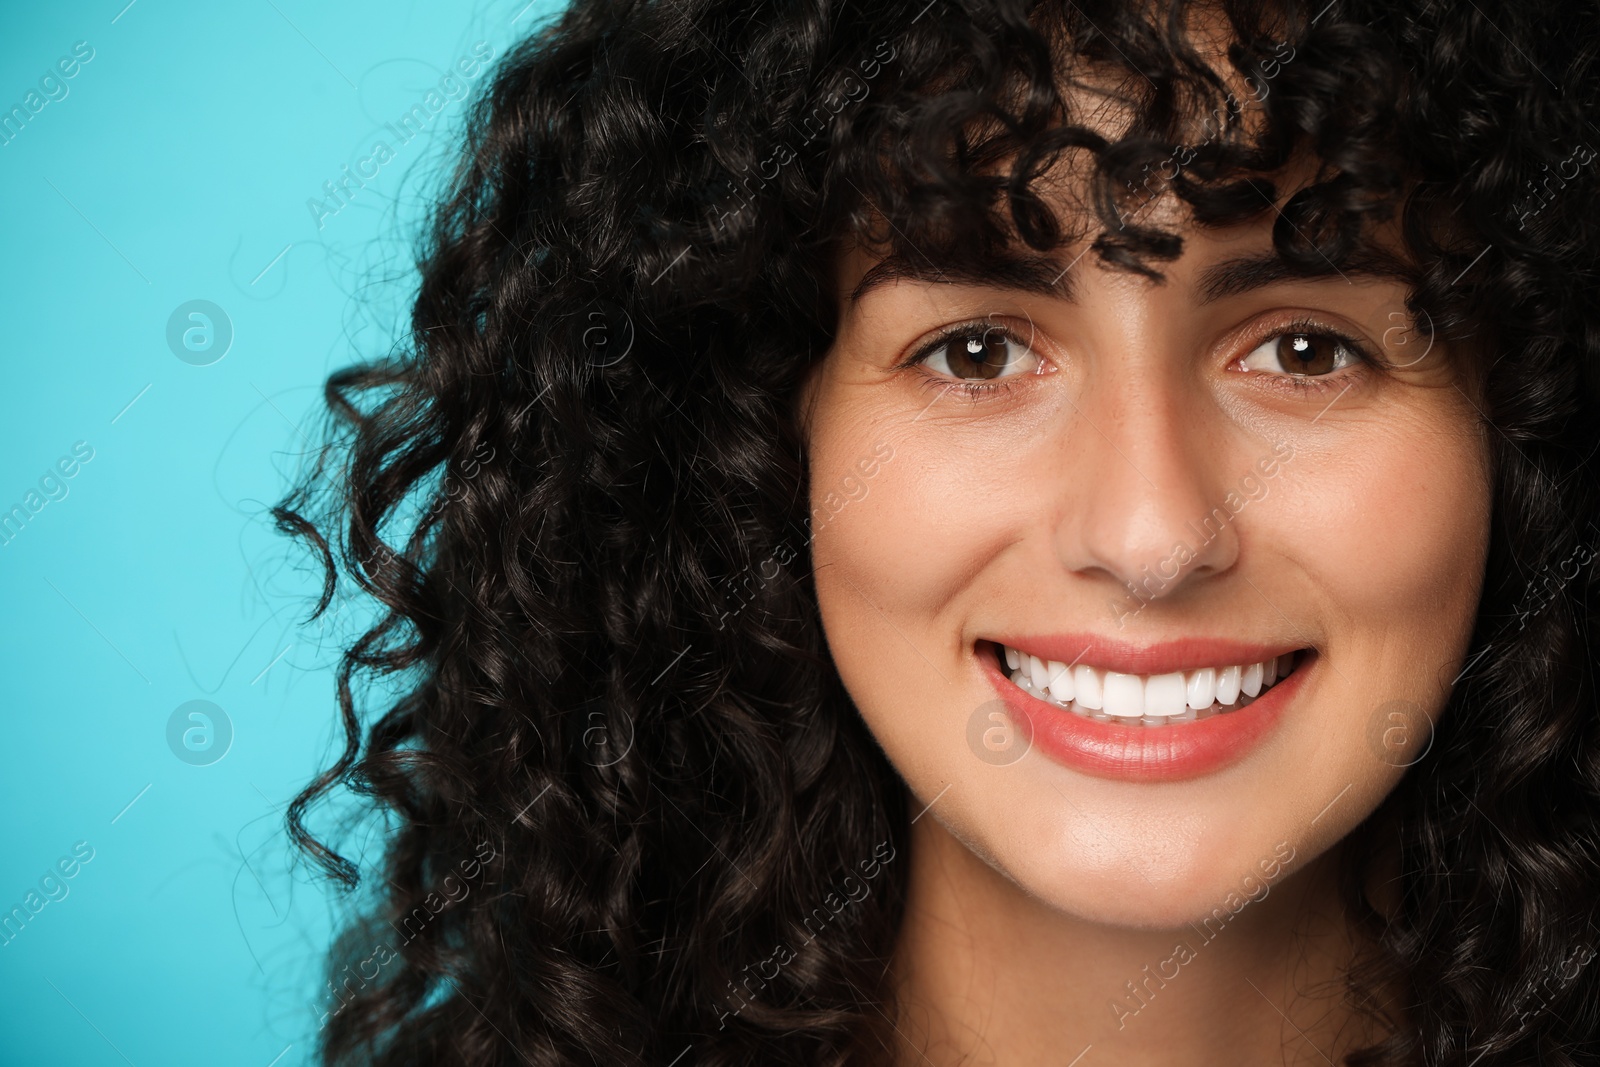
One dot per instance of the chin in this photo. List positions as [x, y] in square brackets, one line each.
[1197, 874]
[1210, 898]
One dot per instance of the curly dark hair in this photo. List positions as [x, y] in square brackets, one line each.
[579, 500]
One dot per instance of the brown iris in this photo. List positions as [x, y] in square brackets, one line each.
[1308, 353]
[978, 353]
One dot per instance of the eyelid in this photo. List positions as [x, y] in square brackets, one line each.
[921, 353]
[1358, 348]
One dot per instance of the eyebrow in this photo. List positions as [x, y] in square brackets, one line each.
[1244, 274]
[1044, 276]
[1039, 275]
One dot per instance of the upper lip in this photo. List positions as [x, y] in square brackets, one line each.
[1166, 657]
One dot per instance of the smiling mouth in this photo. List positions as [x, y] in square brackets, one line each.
[1144, 699]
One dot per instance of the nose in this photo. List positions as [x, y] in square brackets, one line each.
[1146, 505]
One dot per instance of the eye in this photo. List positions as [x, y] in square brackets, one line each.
[978, 351]
[1305, 353]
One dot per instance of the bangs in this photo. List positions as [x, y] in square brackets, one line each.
[1058, 124]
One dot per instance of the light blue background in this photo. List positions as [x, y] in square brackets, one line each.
[178, 167]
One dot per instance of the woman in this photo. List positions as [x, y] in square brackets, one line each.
[987, 533]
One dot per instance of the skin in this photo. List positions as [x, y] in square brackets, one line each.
[1037, 891]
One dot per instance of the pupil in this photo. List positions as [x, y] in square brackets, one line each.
[977, 355]
[1307, 353]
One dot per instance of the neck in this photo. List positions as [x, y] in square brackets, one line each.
[985, 973]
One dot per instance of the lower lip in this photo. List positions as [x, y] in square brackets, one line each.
[1147, 753]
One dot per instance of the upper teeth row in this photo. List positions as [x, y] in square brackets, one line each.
[1133, 696]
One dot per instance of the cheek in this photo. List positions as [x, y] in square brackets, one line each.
[900, 576]
[874, 555]
[896, 532]
[1396, 537]
[1387, 541]
[891, 566]
[894, 562]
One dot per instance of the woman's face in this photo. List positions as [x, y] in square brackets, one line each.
[1172, 491]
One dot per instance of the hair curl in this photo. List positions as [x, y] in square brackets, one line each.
[600, 616]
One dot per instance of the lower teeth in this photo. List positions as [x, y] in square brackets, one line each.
[1022, 681]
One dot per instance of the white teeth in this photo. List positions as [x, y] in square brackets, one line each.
[1086, 680]
[1153, 700]
[1163, 695]
[1061, 687]
[1124, 695]
[1203, 688]
[1250, 680]
[1228, 685]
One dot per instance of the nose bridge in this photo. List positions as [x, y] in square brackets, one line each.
[1146, 513]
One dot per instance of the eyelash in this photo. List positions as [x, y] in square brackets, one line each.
[974, 390]
[1302, 384]
[1310, 384]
